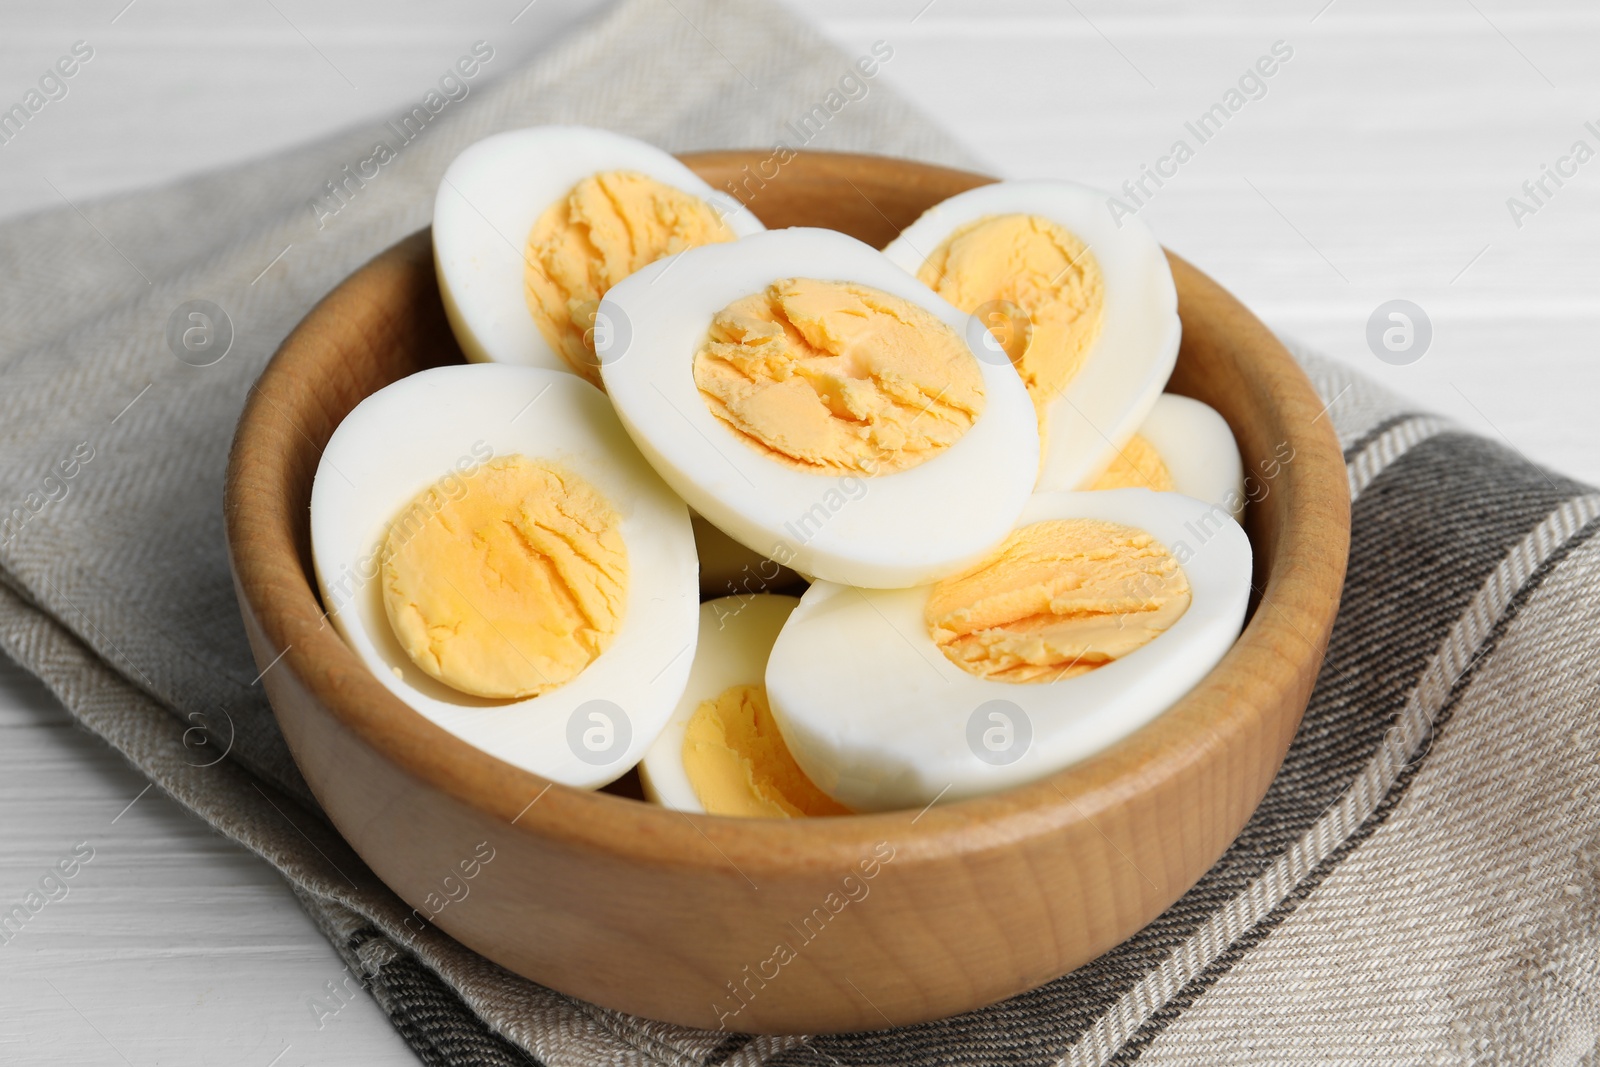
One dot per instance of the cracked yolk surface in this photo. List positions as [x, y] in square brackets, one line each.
[507, 583]
[1039, 267]
[608, 226]
[1137, 466]
[836, 377]
[1058, 599]
[738, 764]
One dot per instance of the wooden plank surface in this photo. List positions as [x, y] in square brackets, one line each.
[1376, 165]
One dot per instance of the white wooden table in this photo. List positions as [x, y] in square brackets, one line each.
[1376, 165]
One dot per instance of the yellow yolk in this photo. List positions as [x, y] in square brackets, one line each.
[1058, 599]
[1137, 466]
[508, 583]
[1036, 266]
[836, 378]
[738, 764]
[610, 225]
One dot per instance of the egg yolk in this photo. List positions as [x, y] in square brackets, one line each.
[738, 764]
[838, 378]
[608, 226]
[1137, 466]
[1058, 599]
[1034, 265]
[508, 582]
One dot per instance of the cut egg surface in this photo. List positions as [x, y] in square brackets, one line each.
[1099, 612]
[721, 752]
[532, 226]
[820, 406]
[1084, 306]
[1182, 446]
[491, 545]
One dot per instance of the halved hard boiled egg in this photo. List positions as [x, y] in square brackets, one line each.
[532, 226]
[820, 406]
[721, 752]
[1084, 306]
[492, 546]
[1183, 446]
[1097, 613]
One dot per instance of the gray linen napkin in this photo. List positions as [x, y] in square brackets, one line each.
[1420, 884]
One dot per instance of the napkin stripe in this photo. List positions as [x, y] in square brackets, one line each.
[1372, 455]
[1377, 430]
[1379, 652]
[1354, 404]
[1391, 771]
[430, 1016]
[1421, 545]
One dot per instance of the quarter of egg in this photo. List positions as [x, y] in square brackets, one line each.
[877, 712]
[493, 548]
[721, 751]
[1084, 303]
[1182, 446]
[495, 269]
[820, 406]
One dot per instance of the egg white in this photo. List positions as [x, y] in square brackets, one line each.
[407, 436]
[736, 636]
[489, 199]
[886, 531]
[1197, 446]
[878, 717]
[1129, 364]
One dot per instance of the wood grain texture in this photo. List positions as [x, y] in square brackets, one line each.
[660, 913]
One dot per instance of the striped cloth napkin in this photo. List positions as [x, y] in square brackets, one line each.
[1419, 886]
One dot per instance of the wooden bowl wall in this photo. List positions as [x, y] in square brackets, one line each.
[680, 918]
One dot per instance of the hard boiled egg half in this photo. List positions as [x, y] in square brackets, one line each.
[492, 546]
[1097, 613]
[721, 752]
[820, 406]
[532, 226]
[1182, 446]
[1082, 304]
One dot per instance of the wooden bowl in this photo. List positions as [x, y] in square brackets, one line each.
[777, 926]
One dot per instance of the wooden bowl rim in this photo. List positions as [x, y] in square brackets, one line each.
[273, 588]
